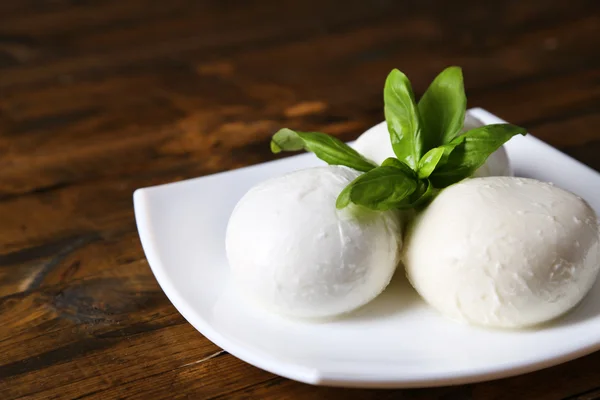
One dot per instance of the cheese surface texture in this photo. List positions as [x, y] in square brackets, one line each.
[503, 252]
[293, 252]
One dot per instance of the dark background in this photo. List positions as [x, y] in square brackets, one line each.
[98, 98]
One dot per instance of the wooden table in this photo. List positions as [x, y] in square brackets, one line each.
[98, 98]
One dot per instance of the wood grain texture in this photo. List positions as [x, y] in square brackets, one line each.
[98, 98]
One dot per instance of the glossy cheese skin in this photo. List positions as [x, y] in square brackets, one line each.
[375, 145]
[293, 252]
[503, 252]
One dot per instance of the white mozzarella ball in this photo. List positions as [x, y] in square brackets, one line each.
[291, 250]
[503, 252]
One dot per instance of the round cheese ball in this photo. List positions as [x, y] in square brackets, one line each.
[503, 252]
[292, 251]
[375, 145]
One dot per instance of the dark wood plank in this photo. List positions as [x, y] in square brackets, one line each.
[100, 98]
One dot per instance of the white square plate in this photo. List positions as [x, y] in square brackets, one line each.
[396, 340]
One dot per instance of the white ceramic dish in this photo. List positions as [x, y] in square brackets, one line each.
[395, 341]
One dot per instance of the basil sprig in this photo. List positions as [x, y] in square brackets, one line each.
[328, 148]
[381, 189]
[402, 118]
[469, 151]
[443, 108]
[431, 153]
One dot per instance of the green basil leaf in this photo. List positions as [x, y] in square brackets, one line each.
[402, 118]
[470, 150]
[424, 193]
[435, 158]
[381, 189]
[343, 199]
[429, 161]
[442, 108]
[394, 162]
[328, 148]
